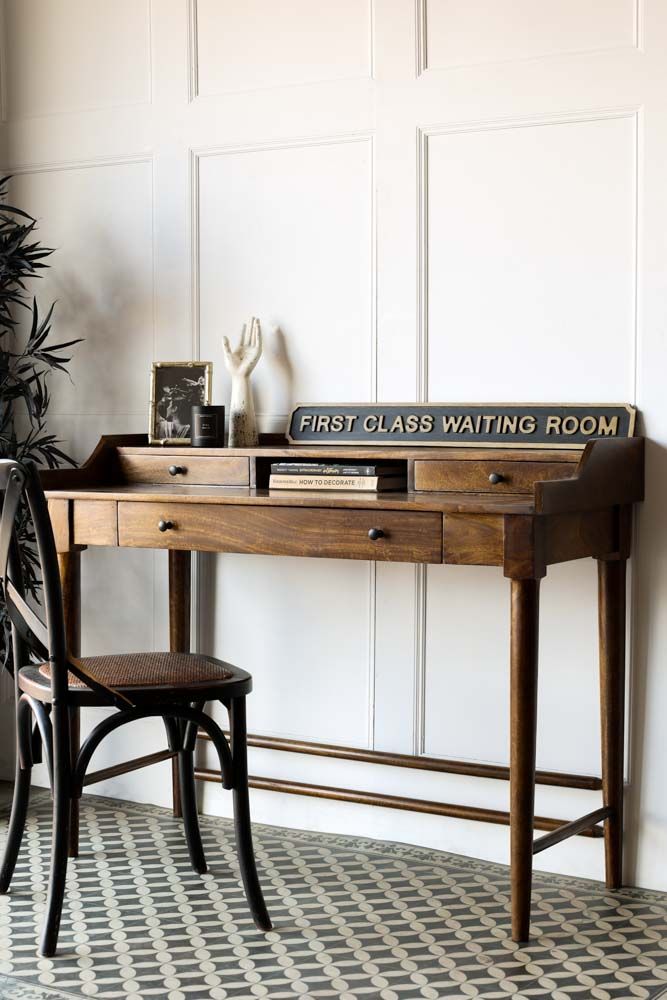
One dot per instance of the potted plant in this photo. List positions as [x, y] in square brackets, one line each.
[27, 359]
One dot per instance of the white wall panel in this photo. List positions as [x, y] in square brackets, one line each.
[530, 237]
[466, 682]
[119, 581]
[73, 55]
[301, 626]
[461, 32]
[264, 44]
[99, 219]
[285, 233]
[395, 657]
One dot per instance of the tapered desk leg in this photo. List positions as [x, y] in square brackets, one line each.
[611, 601]
[70, 579]
[179, 632]
[523, 734]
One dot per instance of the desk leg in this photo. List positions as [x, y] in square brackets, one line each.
[179, 632]
[70, 580]
[611, 606]
[523, 734]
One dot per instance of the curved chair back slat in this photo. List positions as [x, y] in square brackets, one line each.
[45, 640]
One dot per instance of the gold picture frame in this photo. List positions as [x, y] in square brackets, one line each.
[176, 386]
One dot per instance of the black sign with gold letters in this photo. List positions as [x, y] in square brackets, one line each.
[516, 425]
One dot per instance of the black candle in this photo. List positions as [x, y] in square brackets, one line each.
[208, 427]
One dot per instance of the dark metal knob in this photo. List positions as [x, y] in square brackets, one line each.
[165, 525]
[495, 477]
[175, 470]
[375, 533]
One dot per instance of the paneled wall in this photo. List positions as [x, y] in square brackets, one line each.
[421, 199]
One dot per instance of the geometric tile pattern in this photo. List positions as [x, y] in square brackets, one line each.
[14, 989]
[352, 919]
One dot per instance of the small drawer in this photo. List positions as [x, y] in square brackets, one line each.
[190, 470]
[95, 522]
[395, 536]
[487, 476]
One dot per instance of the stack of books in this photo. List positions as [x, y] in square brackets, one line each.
[336, 476]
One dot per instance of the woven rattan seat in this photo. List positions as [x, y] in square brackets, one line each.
[127, 670]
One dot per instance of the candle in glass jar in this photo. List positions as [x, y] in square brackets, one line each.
[208, 427]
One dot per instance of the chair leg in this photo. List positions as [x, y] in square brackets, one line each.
[186, 774]
[74, 808]
[60, 835]
[24, 759]
[242, 828]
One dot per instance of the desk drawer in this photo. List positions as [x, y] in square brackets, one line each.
[189, 470]
[473, 477]
[407, 536]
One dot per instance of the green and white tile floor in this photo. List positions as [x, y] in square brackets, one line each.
[352, 919]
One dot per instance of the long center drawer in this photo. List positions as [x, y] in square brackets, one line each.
[404, 536]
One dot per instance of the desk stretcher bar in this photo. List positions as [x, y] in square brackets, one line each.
[496, 816]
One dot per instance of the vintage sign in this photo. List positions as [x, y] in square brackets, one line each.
[491, 425]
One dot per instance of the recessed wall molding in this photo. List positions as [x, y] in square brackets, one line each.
[421, 37]
[3, 64]
[82, 164]
[143, 94]
[131, 174]
[419, 703]
[372, 629]
[94, 164]
[290, 143]
[424, 134]
[193, 51]
[194, 57]
[423, 58]
[197, 154]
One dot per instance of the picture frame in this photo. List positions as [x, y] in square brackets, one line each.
[176, 386]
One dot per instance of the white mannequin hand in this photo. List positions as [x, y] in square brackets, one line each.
[243, 360]
[239, 364]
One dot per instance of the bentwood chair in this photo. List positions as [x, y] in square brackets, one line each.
[49, 683]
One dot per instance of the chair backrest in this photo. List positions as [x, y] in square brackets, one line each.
[45, 639]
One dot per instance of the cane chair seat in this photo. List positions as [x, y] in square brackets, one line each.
[171, 675]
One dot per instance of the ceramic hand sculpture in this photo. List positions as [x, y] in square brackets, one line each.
[240, 363]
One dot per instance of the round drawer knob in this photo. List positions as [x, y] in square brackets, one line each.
[175, 470]
[165, 525]
[375, 533]
[495, 478]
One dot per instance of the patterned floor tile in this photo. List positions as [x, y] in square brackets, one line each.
[352, 919]
[14, 989]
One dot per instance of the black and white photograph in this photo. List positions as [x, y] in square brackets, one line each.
[177, 386]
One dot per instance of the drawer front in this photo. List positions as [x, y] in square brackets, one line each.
[95, 522]
[474, 539]
[189, 470]
[480, 477]
[291, 531]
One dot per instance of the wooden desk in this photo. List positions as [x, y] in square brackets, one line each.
[545, 507]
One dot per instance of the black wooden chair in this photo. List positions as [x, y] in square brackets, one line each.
[49, 682]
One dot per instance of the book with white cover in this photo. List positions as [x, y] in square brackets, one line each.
[366, 484]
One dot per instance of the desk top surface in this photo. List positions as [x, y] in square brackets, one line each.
[445, 502]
